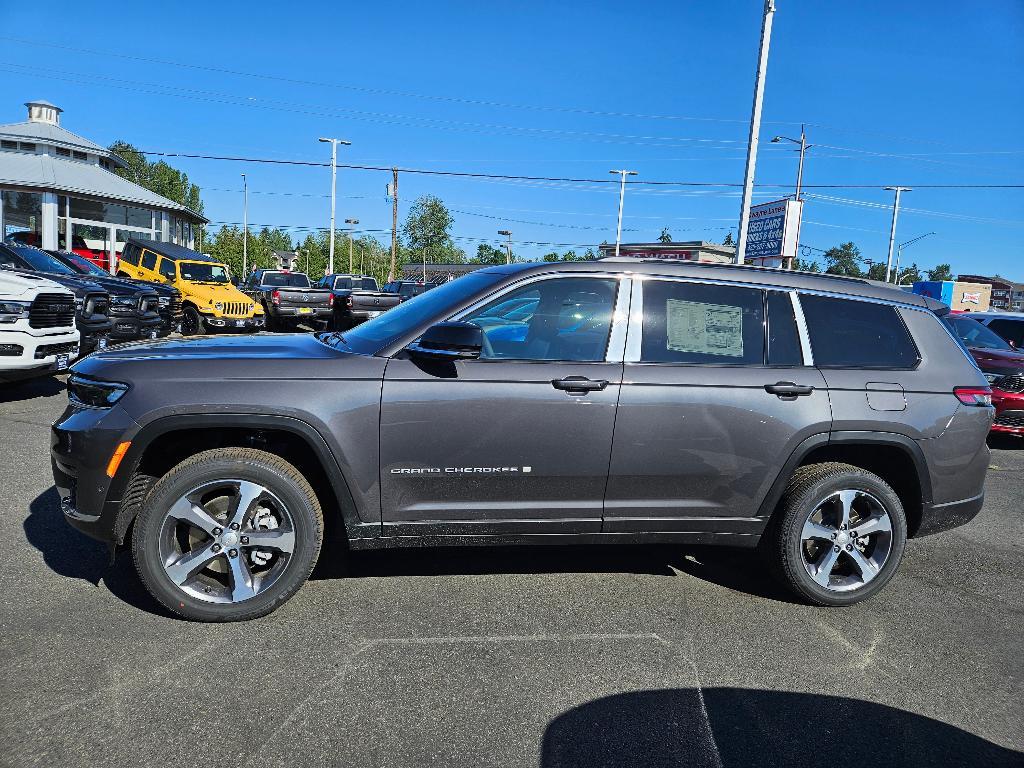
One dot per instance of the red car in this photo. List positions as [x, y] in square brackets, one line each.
[1002, 365]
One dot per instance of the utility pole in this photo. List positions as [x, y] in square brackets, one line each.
[892, 231]
[245, 227]
[755, 128]
[351, 225]
[394, 224]
[899, 253]
[334, 187]
[622, 195]
[508, 245]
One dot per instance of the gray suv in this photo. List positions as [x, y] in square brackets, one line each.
[822, 420]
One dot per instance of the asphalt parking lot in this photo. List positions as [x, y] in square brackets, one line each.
[535, 656]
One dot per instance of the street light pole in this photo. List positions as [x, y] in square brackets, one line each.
[351, 224]
[334, 185]
[804, 146]
[622, 194]
[755, 128]
[508, 246]
[245, 227]
[892, 231]
[899, 252]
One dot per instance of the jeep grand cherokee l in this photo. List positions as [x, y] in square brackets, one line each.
[821, 419]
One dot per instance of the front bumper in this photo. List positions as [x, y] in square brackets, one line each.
[1009, 412]
[82, 441]
[128, 327]
[38, 355]
[92, 330]
[234, 323]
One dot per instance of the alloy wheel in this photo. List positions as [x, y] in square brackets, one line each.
[846, 540]
[227, 541]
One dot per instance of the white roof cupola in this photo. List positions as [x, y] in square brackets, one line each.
[43, 112]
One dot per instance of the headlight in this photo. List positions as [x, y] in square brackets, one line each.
[90, 393]
[123, 301]
[12, 311]
[218, 306]
[991, 377]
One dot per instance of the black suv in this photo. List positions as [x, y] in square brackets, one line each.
[821, 419]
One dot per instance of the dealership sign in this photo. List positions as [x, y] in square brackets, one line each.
[772, 232]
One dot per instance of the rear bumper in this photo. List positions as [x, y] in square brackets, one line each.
[316, 313]
[936, 518]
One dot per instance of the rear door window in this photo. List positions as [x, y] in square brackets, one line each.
[700, 324]
[148, 260]
[857, 334]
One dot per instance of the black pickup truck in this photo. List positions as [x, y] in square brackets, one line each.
[356, 298]
[287, 297]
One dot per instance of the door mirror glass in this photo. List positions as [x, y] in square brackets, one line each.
[449, 341]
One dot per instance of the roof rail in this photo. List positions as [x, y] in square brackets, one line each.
[718, 265]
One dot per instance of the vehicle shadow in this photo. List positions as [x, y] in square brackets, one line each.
[30, 389]
[733, 568]
[1004, 442]
[73, 555]
[739, 727]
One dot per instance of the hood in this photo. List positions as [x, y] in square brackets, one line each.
[15, 284]
[204, 295]
[998, 361]
[117, 286]
[79, 285]
[278, 346]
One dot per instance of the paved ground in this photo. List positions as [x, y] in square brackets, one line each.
[520, 657]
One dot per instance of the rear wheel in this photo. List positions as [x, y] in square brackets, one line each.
[192, 322]
[838, 534]
[227, 535]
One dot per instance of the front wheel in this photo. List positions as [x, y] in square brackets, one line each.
[838, 534]
[192, 322]
[227, 535]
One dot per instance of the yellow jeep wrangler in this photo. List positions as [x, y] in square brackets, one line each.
[209, 300]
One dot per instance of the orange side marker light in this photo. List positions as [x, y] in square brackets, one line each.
[115, 460]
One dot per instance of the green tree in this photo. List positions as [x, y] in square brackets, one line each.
[665, 236]
[803, 265]
[876, 271]
[427, 233]
[157, 177]
[909, 275]
[488, 254]
[940, 272]
[844, 260]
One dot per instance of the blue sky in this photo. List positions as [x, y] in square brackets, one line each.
[909, 93]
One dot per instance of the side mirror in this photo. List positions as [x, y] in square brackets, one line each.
[449, 341]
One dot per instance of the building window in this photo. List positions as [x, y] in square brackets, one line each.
[27, 146]
[111, 213]
[23, 212]
[63, 152]
[8, 144]
[80, 155]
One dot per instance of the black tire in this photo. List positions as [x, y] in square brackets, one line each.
[210, 467]
[192, 322]
[785, 550]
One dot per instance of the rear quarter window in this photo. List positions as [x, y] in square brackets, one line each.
[148, 260]
[857, 334]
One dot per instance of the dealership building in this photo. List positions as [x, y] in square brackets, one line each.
[59, 190]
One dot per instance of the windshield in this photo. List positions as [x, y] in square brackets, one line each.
[37, 260]
[203, 272]
[357, 284]
[82, 265]
[435, 304]
[285, 280]
[975, 335]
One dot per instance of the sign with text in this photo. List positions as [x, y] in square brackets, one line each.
[772, 232]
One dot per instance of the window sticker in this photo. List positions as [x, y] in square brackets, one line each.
[706, 329]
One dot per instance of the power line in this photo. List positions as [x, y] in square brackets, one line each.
[478, 175]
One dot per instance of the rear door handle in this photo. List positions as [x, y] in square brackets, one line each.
[579, 385]
[787, 390]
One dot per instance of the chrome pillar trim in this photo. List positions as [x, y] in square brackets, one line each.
[620, 321]
[634, 332]
[801, 327]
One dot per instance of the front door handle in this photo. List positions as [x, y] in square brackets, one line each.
[579, 385]
[787, 390]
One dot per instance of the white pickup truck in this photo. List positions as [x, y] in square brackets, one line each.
[37, 327]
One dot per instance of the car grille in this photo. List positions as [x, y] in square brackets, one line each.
[236, 308]
[97, 304]
[45, 350]
[1014, 383]
[170, 310]
[1013, 419]
[149, 303]
[52, 310]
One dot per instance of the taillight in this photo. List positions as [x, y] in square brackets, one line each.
[348, 302]
[980, 396]
[276, 297]
[330, 300]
